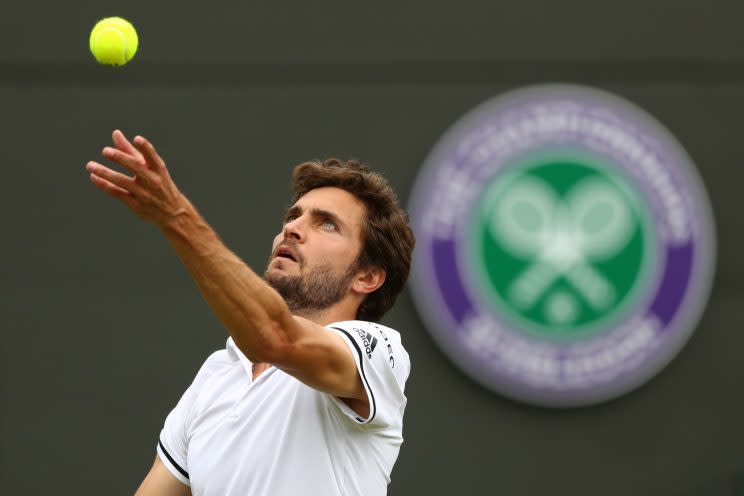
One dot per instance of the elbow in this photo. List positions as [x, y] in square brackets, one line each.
[275, 348]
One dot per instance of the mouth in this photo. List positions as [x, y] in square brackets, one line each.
[286, 253]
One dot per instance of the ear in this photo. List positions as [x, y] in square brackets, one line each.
[369, 280]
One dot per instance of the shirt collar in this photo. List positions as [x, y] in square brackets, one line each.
[236, 354]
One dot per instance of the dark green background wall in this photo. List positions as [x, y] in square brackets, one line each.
[102, 329]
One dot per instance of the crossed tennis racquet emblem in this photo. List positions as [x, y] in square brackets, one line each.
[561, 236]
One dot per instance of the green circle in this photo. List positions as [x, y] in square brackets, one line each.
[582, 287]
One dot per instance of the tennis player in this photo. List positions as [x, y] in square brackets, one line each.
[307, 398]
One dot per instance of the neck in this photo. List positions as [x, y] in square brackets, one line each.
[345, 309]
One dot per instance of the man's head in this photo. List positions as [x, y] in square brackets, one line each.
[345, 236]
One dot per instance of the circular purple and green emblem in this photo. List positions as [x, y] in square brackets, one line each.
[565, 245]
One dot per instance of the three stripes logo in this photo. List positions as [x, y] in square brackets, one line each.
[368, 341]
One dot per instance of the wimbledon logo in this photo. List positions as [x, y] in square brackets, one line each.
[565, 245]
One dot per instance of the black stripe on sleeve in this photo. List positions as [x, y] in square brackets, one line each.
[170, 459]
[364, 377]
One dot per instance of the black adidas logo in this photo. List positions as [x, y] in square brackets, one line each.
[368, 340]
[369, 344]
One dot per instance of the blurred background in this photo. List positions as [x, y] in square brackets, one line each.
[102, 329]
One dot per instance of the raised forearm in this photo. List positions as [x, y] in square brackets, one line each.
[252, 311]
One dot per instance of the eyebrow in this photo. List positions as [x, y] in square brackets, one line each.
[317, 212]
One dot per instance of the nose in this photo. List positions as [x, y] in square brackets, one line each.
[295, 230]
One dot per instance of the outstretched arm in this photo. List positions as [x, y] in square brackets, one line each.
[254, 313]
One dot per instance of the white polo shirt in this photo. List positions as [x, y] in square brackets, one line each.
[275, 436]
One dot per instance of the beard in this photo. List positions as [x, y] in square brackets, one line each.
[314, 291]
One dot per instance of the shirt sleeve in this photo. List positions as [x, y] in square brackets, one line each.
[172, 447]
[383, 365]
[173, 443]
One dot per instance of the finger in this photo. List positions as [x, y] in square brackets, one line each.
[120, 180]
[112, 190]
[122, 143]
[133, 164]
[108, 187]
[151, 155]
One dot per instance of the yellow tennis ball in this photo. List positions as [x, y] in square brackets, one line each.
[113, 41]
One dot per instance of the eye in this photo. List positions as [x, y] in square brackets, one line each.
[289, 218]
[329, 224]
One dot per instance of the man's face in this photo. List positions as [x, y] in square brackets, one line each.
[313, 260]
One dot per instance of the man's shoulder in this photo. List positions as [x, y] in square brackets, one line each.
[217, 360]
[363, 328]
[371, 336]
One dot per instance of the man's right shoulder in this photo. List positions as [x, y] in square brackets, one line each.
[219, 357]
[218, 360]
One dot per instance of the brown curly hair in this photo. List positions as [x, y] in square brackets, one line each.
[388, 240]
